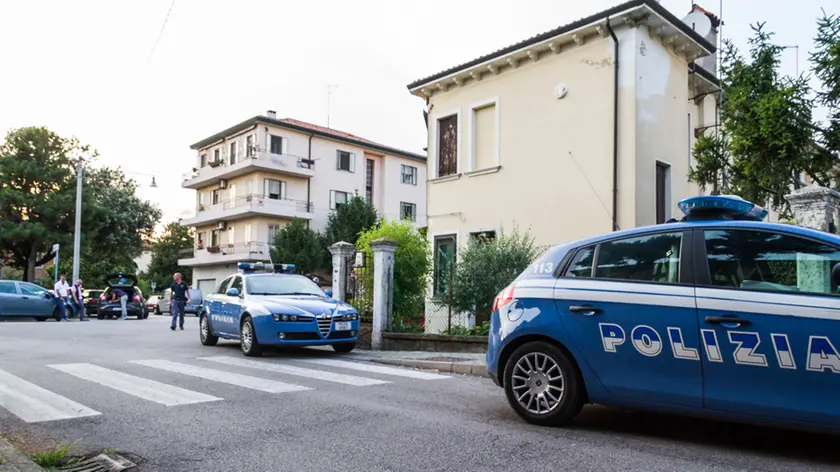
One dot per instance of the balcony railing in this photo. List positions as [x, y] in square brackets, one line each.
[254, 154]
[246, 249]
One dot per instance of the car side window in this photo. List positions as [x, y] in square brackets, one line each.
[650, 258]
[223, 287]
[237, 284]
[33, 290]
[7, 287]
[581, 264]
[764, 260]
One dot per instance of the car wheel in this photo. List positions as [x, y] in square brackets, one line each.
[248, 338]
[543, 385]
[344, 347]
[157, 310]
[205, 333]
[100, 316]
[40, 318]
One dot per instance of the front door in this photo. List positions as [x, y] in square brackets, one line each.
[10, 302]
[218, 310]
[634, 317]
[770, 322]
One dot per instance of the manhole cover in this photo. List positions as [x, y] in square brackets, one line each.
[101, 463]
[443, 359]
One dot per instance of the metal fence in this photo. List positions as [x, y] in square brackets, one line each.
[360, 284]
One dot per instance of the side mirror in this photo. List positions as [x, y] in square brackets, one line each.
[835, 274]
[233, 292]
[329, 292]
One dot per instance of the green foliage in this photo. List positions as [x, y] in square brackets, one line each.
[485, 268]
[54, 458]
[166, 251]
[412, 264]
[406, 326]
[825, 61]
[481, 330]
[298, 244]
[350, 220]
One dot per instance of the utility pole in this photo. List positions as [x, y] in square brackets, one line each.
[77, 234]
[329, 94]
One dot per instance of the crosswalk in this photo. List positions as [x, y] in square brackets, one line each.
[33, 403]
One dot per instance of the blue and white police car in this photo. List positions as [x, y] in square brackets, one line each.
[271, 306]
[718, 314]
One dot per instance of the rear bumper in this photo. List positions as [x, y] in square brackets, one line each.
[132, 309]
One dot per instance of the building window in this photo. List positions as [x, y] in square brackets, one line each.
[409, 175]
[369, 180]
[408, 211]
[272, 233]
[445, 252]
[276, 144]
[231, 236]
[233, 149]
[248, 233]
[200, 201]
[217, 196]
[217, 155]
[214, 238]
[337, 198]
[345, 161]
[199, 240]
[447, 159]
[663, 192]
[203, 160]
[275, 189]
[483, 237]
[484, 137]
[250, 151]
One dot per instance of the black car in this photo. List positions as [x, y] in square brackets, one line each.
[136, 305]
[91, 300]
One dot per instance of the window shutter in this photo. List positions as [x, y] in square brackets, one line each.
[332, 198]
[282, 190]
[338, 160]
[352, 162]
[285, 148]
[267, 141]
[267, 188]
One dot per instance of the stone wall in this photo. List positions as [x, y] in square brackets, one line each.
[433, 343]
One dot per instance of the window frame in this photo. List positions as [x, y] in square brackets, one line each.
[458, 137]
[435, 237]
[334, 203]
[702, 273]
[412, 174]
[474, 107]
[351, 161]
[233, 152]
[668, 194]
[413, 207]
[267, 195]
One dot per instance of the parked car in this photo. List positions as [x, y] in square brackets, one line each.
[91, 300]
[136, 304]
[152, 303]
[25, 299]
[195, 305]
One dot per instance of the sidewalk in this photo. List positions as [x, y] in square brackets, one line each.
[13, 461]
[464, 363]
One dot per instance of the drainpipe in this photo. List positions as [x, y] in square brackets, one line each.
[309, 181]
[615, 128]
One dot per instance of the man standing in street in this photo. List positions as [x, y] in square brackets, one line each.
[78, 300]
[178, 298]
[62, 296]
[123, 298]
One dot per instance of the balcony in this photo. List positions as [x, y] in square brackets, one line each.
[248, 206]
[257, 160]
[225, 254]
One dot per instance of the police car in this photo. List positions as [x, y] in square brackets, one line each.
[271, 306]
[718, 314]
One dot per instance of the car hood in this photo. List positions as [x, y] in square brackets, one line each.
[300, 305]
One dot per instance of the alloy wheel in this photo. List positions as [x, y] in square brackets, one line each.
[538, 383]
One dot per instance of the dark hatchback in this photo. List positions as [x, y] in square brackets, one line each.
[91, 299]
[136, 305]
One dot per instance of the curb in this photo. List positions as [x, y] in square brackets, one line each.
[475, 370]
[13, 461]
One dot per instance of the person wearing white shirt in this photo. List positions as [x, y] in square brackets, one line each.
[62, 294]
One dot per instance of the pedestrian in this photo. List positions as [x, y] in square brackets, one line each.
[79, 301]
[117, 294]
[62, 296]
[181, 294]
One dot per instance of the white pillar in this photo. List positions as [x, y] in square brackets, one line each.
[340, 251]
[383, 287]
[815, 207]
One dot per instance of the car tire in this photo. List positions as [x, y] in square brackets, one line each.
[343, 347]
[100, 316]
[540, 361]
[248, 338]
[157, 310]
[40, 318]
[205, 333]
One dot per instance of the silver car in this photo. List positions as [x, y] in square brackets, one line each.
[194, 306]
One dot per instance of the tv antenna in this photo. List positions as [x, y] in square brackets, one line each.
[329, 94]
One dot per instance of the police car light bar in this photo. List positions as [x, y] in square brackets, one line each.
[248, 267]
[284, 268]
[721, 207]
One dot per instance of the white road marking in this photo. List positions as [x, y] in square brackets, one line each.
[139, 387]
[34, 404]
[239, 380]
[299, 371]
[378, 369]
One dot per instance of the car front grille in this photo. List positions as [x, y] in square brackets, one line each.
[324, 325]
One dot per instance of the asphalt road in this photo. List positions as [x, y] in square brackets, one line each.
[265, 421]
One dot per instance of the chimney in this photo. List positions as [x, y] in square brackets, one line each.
[271, 114]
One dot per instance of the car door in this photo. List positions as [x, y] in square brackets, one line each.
[35, 300]
[10, 300]
[218, 310]
[629, 304]
[165, 304]
[233, 305]
[770, 321]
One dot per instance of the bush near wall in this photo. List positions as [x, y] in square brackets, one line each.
[412, 266]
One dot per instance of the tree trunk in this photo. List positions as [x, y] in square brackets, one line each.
[29, 273]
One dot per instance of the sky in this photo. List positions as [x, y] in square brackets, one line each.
[107, 72]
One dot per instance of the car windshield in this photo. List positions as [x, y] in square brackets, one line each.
[282, 285]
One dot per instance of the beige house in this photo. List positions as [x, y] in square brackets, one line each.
[574, 132]
[255, 177]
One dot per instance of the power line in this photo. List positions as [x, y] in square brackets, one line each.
[160, 33]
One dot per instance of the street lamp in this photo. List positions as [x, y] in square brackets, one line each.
[77, 234]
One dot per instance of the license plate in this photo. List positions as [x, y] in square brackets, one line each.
[342, 326]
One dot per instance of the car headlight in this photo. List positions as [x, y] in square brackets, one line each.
[350, 316]
[279, 317]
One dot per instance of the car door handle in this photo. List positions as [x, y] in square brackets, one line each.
[584, 310]
[728, 321]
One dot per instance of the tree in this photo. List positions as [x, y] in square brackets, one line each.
[350, 220]
[298, 244]
[485, 268]
[825, 61]
[412, 264]
[166, 251]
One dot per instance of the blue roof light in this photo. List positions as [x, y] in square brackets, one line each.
[251, 267]
[722, 207]
[284, 268]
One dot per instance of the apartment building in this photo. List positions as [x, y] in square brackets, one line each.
[255, 177]
[574, 132]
